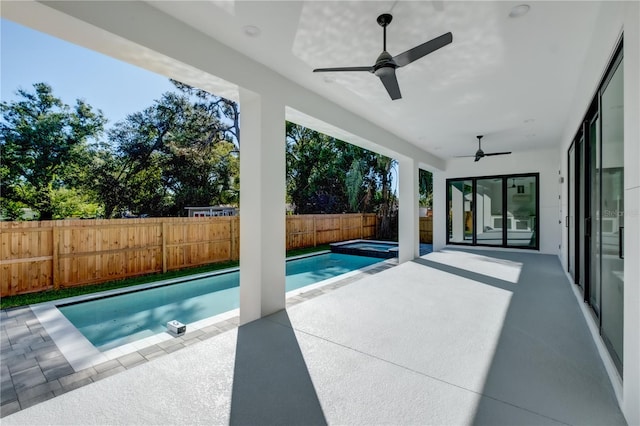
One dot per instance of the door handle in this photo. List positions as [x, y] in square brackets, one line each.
[621, 242]
[566, 221]
[587, 227]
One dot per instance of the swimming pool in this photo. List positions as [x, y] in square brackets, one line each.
[112, 321]
[379, 249]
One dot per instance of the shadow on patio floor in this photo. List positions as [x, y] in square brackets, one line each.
[271, 383]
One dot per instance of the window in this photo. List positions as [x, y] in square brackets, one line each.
[499, 211]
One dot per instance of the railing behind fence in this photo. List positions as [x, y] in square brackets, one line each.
[37, 256]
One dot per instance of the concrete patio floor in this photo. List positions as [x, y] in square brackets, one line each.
[455, 337]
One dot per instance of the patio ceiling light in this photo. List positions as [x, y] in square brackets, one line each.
[518, 11]
[251, 30]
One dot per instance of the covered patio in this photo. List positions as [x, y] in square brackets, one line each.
[495, 336]
[453, 337]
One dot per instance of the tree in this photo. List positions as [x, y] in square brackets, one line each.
[326, 175]
[180, 151]
[44, 145]
[425, 187]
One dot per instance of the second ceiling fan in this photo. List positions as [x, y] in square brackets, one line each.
[385, 66]
[480, 153]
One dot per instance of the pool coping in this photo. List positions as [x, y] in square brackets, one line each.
[82, 354]
[341, 248]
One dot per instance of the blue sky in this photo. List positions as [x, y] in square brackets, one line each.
[117, 88]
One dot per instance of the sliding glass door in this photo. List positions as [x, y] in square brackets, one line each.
[596, 200]
[611, 204]
[500, 211]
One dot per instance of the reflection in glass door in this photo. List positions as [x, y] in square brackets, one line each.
[522, 209]
[460, 199]
[490, 225]
[612, 212]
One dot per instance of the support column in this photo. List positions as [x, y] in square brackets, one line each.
[408, 222]
[262, 206]
[440, 211]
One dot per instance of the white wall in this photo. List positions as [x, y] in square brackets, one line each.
[543, 162]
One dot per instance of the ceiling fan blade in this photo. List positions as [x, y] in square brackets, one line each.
[418, 52]
[496, 153]
[370, 69]
[391, 84]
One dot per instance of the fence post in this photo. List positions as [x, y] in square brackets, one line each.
[55, 263]
[164, 247]
[232, 235]
[361, 226]
[315, 234]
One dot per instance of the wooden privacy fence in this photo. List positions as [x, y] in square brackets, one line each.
[46, 255]
[426, 230]
[313, 230]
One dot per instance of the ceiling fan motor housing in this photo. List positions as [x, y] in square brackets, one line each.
[384, 64]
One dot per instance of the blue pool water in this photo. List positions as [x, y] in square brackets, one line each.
[116, 320]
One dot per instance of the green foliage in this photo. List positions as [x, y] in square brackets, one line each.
[44, 145]
[326, 175]
[176, 153]
[425, 187]
[180, 151]
[71, 203]
[354, 182]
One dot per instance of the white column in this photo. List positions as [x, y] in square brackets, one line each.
[408, 222]
[440, 211]
[262, 206]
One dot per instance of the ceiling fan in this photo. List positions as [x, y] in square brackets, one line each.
[385, 66]
[480, 153]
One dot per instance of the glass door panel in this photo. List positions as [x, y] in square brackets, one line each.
[460, 197]
[612, 217]
[572, 211]
[522, 211]
[490, 224]
[595, 276]
[581, 216]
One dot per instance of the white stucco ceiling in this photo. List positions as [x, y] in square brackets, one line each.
[511, 79]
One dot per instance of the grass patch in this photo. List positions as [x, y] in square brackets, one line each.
[47, 296]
